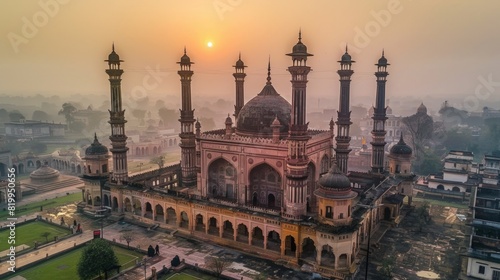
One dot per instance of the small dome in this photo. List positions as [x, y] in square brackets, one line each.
[197, 124]
[346, 57]
[422, 109]
[185, 59]
[401, 148]
[299, 49]
[44, 173]
[113, 57]
[96, 148]
[335, 179]
[382, 61]
[239, 63]
[276, 122]
[229, 121]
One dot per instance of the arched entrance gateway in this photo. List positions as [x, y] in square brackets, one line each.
[308, 250]
[222, 178]
[265, 185]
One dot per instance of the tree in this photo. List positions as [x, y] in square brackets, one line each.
[97, 249]
[128, 237]
[140, 114]
[16, 116]
[39, 115]
[77, 126]
[207, 123]
[4, 115]
[46, 235]
[217, 265]
[67, 111]
[388, 264]
[168, 116]
[158, 160]
[420, 126]
[423, 216]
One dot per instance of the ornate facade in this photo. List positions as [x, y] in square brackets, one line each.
[267, 185]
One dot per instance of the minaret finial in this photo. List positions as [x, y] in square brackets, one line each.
[113, 46]
[382, 52]
[95, 136]
[300, 34]
[269, 71]
[346, 48]
[239, 55]
[184, 49]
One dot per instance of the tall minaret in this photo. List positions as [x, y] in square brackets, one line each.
[117, 121]
[379, 117]
[239, 78]
[344, 114]
[297, 161]
[188, 144]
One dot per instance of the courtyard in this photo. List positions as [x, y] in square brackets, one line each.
[432, 252]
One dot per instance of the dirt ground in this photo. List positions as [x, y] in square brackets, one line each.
[432, 253]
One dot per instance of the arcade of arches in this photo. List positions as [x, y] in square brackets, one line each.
[240, 229]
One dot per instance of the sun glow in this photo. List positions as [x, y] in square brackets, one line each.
[210, 44]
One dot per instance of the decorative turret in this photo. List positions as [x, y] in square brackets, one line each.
[229, 127]
[297, 160]
[379, 117]
[239, 78]
[400, 157]
[96, 160]
[275, 126]
[188, 145]
[343, 139]
[117, 121]
[335, 196]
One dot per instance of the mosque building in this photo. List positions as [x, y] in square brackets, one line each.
[265, 183]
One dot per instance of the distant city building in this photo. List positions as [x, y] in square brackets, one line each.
[88, 115]
[28, 129]
[458, 176]
[483, 255]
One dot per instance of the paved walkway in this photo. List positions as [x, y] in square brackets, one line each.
[170, 246]
[41, 253]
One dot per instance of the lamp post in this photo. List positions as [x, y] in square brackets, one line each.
[144, 265]
[370, 207]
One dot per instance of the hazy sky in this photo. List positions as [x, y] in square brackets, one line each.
[435, 48]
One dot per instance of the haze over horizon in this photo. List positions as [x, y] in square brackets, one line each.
[437, 49]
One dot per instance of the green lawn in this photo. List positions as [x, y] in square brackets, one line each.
[49, 203]
[440, 202]
[65, 267]
[31, 232]
[182, 276]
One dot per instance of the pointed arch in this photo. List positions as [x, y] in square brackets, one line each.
[265, 180]
[222, 179]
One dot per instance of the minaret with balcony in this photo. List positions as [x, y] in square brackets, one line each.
[119, 149]
[343, 139]
[188, 142]
[379, 117]
[239, 78]
[297, 160]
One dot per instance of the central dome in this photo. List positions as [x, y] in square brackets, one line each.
[256, 117]
[258, 114]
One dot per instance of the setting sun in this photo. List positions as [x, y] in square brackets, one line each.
[209, 44]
